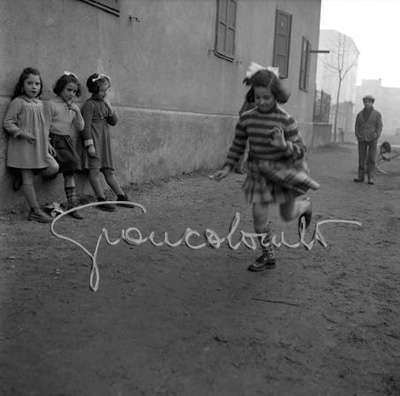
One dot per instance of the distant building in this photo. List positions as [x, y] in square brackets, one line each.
[343, 51]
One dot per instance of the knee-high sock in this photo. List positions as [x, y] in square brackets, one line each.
[70, 192]
[266, 241]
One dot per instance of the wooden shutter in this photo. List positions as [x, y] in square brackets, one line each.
[283, 23]
[226, 28]
[304, 64]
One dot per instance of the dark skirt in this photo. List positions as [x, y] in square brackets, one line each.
[66, 154]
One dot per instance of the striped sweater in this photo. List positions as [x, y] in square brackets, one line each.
[256, 127]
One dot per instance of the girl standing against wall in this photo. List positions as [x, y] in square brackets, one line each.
[65, 121]
[29, 151]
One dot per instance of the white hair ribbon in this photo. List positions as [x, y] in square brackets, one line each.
[255, 67]
[99, 77]
[68, 73]
[274, 70]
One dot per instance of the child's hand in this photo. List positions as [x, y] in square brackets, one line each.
[28, 137]
[278, 138]
[221, 174]
[72, 106]
[91, 151]
[52, 150]
[110, 109]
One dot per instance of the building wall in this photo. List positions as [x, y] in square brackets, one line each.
[177, 101]
[321, 135]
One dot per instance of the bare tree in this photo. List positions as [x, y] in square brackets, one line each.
[340, 62]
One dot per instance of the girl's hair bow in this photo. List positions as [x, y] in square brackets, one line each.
[255, 68]
[68, 73]
[269, 78]
[99, 77]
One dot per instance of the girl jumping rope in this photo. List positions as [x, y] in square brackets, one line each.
[277, 171]
[98, 115]
[29, 151]
[65, 121]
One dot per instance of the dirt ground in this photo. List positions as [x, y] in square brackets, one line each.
[179, 321]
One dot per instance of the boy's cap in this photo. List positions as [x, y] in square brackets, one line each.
[368, 97]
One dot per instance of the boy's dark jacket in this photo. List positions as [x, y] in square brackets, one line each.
[370, 129]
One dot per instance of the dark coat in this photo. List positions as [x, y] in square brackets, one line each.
[370, 129]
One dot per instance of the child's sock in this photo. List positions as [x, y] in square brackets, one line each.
[267, 247]
[73, 202]
[70, 192]
[267, 260]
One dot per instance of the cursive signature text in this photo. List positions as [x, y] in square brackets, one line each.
[133, 236]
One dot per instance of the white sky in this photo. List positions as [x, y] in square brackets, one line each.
[374, 25]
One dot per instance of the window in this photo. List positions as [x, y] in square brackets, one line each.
[112, 6]
[304, 64]
[225, 29]
[283, 24]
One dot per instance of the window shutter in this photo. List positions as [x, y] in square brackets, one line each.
[226, 28]
[304, 64]
[283, 23]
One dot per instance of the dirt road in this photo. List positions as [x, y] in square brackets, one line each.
[181, 321]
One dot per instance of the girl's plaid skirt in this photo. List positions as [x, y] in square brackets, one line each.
[276, 181]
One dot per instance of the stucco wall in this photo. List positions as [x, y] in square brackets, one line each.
[322, 134]
[140, 155]
[177, 101]
[315, 134]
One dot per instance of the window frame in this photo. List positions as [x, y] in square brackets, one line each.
[229, 26]
[285, 72]
[111, 6]
[305, 60]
